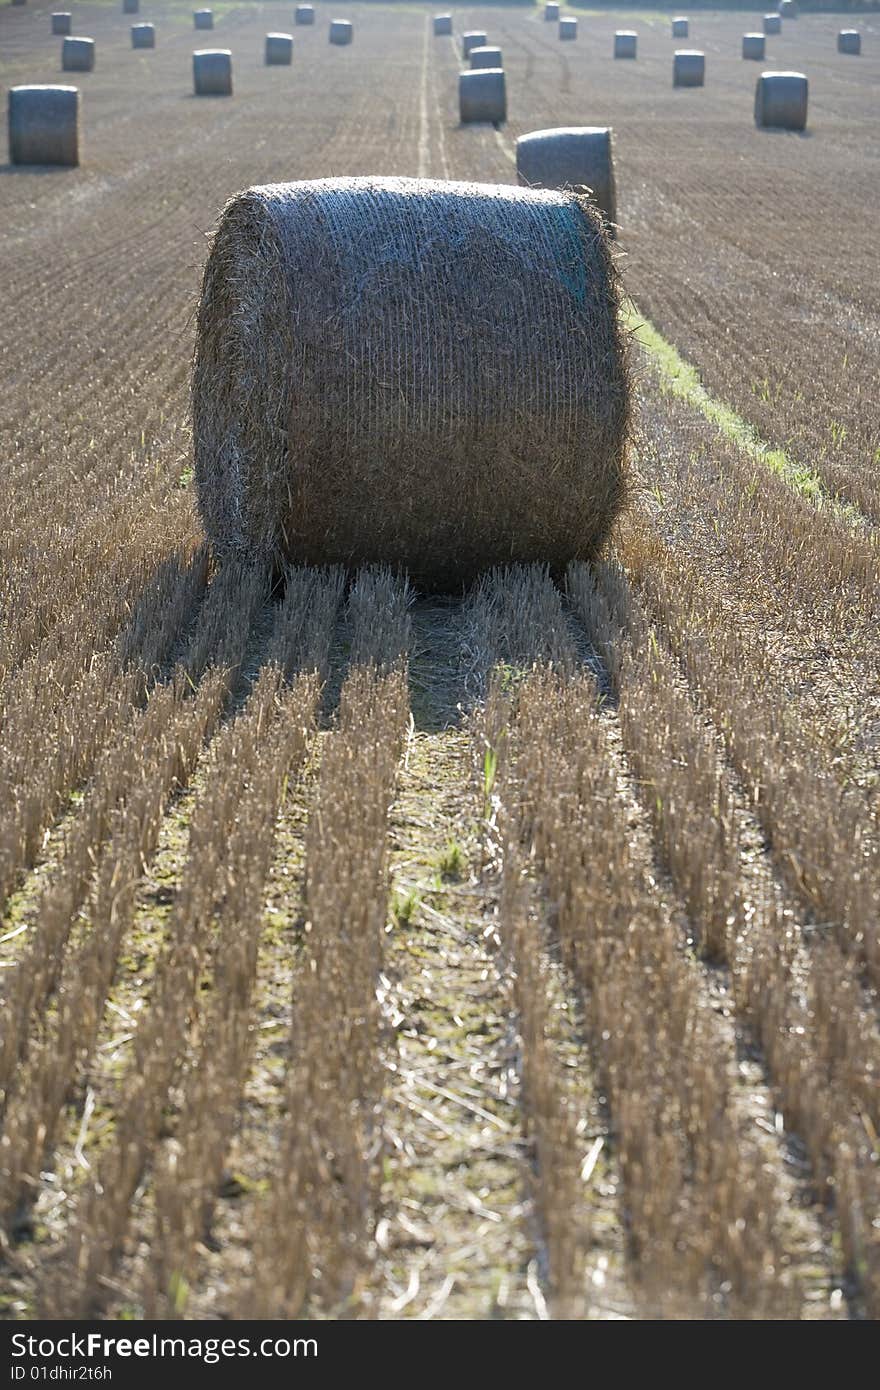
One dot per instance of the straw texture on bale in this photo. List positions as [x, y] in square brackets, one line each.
[78, 55]
[753, 46]
[772, 24]
[304, 14]
[43, 125]
[788, 9]
[203, 19]
[551, 12]
[61, 21]
[143, 36]
[482, 96]
[626, 42]
[568, 28]
[341, 31]
[486, 58]
[279, 50]
[578, 157]
[425, 373]
[680, 27]
[781, 100]
[474, 38]
[131, 6]
[689, 68]
[849, 41]
[212, 72]
[442, 24]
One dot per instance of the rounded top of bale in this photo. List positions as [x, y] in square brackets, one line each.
[850, 31]
[43, 87]
[626, 34]
[801, 76]
[753, 35]
[562, 130]
[274, 35]
[78, 38]
[689, 53]
[212, 53]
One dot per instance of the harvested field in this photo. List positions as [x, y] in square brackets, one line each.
[504, 953]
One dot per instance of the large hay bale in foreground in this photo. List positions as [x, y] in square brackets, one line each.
[341, 31]
[568, 28]
[482, 96]
[78, 55]
[61, 22]
[680, 27]
[212, 72]
[551, 12]
[203, 19]
[279, 50]
[753, 47]
[435, 377]
[474, 38]
[849, 41]
[442, 24]
[772, 24]
[688, 68]
[781, 100]
[143, 36]
[576, 157]
[304, 14]
[43, 125]
[626, 43]
[486, 57]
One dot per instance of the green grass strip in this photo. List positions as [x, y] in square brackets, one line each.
[678, 378]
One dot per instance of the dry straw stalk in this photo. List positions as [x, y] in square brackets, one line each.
[424, 373]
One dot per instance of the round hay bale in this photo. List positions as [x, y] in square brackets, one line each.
[577, 157]
[781, 100]
[849, 41]
[304, 14]
[680, 27]
[474, 38]
[279, 50]
[772, 24]
[341, 31]
[788, 9]
[61, 22]
[143, 36]
[436, 377]
[753, 46]
[442, 24]
[212, 72]
[568, 28]
[482, 96]
[203, 19]
[131, 6]
[43, 125]
[486, 58]
[626, 43]
[688, 68]
[551, 13]
[78, 55]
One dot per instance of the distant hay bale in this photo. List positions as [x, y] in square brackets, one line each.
[341, 31]
[212, 72]
[788, 9]
[43, 125]
[78, 55]
[568, 28]
[474, 38]
[61, 21]
[279, 50]
[551, 13]
[436, 377]
[772, 24]
[304, 14]
[849, 41]
[143, 36]
[688, 68]
[486, 58]
[781, 100]
[626, 42]
[482, 96]
[680, 27]
[575, 157]
[442, 24]
[753, 46]
[203, 19]
[131, 6]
